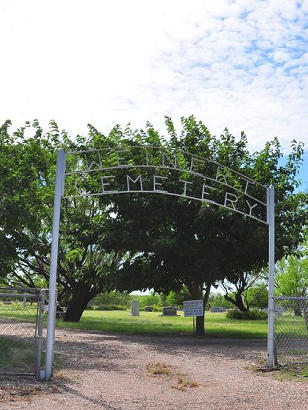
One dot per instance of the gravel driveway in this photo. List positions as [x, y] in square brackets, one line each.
[103, 371]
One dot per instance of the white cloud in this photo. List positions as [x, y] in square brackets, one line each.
[241, 64]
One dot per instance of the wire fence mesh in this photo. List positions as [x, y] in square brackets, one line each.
[291, 329]
[21, 331]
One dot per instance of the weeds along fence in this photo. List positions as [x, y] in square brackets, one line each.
[291, 329]
[22, 333]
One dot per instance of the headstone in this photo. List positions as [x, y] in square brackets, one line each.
[169, 311]
[148, 308]
[134, 308]
[60, 312]
[279, 310]
[218, 309]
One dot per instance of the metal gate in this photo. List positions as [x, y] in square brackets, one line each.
[21, 331]
[291, 329]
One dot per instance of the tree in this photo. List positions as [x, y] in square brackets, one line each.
[185, 242]
[111, 298]
[292, 274]
[218, 300]
[237, 288]
[257, 296]
[27, 186]
[23, 162]
[149, 240]
[177, 298]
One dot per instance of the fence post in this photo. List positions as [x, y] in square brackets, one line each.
[39, 334]
[54, 334]
[59, 191]
[271, 280]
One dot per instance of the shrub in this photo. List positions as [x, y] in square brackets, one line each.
[109, 307]
[250, 315]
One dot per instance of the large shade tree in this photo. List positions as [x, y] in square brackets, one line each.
[138, 240]
[27, 167]
[178, 241]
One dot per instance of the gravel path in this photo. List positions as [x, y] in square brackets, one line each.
[101, 371]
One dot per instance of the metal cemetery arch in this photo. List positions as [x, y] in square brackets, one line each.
[219, 185]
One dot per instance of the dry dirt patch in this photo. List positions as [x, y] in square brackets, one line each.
[109, 371]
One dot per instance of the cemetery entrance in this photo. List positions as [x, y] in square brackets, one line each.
[138, 169]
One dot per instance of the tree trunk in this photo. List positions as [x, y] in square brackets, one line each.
[200, 319]
[197, 293]
[240, 303]
[200, 325]
[237, 301]
[77, 305]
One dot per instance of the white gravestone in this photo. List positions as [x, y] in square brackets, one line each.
[134, 308]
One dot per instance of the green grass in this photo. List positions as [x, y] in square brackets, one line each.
[15, 354]
[297, 372]
[18, 311]
[216, 324]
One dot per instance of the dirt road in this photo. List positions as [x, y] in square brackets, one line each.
[100, 371]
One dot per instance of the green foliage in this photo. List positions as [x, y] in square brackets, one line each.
[238, 290]
[250, 315]
[180, 242]
[292, 274]
[121, 301]
[218, 300]
[148, 300]
[27, 168]
[111, 298]
[107, 307]
[257, 296]
[177, 298]
[144, 241]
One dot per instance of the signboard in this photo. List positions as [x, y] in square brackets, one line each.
[218, 185]
[193, 308]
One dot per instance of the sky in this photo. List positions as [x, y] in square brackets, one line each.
[239, 64]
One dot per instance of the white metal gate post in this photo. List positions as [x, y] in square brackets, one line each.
[59, 191]
[271, 279]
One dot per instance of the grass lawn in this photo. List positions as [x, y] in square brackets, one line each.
[120, 321]
[18, 311]
[216, 324]
[16, 355]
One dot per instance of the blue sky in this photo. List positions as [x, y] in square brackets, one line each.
[239, 64]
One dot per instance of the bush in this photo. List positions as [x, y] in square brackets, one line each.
[111, 298]
[251, 315]
[218, 300]
[147, 300]
[109, 307]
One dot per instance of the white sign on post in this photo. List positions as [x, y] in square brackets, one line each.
[193, 308]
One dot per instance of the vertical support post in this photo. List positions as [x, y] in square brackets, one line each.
[59, 191]
[271, 279]
[54, 334]
[39, 334]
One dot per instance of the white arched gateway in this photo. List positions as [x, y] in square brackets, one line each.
[198, 179]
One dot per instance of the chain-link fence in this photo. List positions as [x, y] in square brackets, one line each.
[291, 329]
[21, 331]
